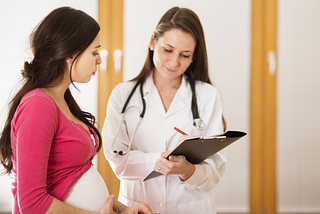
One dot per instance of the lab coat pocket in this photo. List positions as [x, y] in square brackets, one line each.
[203, 206]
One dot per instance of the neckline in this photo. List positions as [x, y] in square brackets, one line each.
[74, 123]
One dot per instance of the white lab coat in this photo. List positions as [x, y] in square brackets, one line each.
[155, 134]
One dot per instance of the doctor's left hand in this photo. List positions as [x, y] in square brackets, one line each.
[175, 165]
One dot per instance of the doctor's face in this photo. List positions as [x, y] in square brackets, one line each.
[173, 53]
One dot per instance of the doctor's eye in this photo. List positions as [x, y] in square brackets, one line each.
[167, 50]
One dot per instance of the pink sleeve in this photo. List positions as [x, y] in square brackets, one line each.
[35, 125]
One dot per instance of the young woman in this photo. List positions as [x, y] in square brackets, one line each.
[48, 143]
[173, 89]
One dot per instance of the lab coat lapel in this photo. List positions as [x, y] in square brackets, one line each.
[152, 97]
[181, 99]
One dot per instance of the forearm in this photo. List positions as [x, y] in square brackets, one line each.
[58, 206]
[142, 163]
[187, 173]
[119, 207]
[206, 176]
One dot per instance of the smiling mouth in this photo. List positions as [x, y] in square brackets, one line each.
[170, 70]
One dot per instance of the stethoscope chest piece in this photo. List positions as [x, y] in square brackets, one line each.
[198, 123]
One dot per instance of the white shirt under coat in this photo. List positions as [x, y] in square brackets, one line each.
[165, 194]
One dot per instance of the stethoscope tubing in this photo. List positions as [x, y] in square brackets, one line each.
[131, 139]
[194, 107]
[118, 129]
[140, 82]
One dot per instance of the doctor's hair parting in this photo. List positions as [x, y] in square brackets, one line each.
[187, 21]
[63, 33]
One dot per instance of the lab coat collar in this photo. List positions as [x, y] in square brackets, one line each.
[180, 101]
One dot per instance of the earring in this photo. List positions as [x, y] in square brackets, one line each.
[151, 48]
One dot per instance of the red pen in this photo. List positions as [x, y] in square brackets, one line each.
[178, 130]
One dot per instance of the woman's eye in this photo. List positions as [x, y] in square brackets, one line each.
[167, 50]
[96, 54]
[185, 56]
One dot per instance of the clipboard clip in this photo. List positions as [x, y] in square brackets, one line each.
[213, 137]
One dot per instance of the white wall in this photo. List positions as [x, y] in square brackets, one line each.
[298, 124]
[17, 19]
[227, 26]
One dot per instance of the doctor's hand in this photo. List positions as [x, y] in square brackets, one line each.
[180, 140]
[139, 209]
[113, 204]
[183, 138]
[175, 165]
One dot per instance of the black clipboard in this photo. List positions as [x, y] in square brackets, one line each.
[197, 150]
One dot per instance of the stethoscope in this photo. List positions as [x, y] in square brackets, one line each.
[197, 122]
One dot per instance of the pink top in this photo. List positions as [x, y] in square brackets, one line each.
[50, 153]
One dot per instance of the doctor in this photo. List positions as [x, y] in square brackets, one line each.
[163, 97]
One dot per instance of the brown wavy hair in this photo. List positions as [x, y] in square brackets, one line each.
[187, 21]
[61, 34]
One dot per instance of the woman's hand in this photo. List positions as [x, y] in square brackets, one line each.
[108, 206]
[139, 209]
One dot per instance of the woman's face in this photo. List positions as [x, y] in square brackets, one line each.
[173, 53]
[86, 64]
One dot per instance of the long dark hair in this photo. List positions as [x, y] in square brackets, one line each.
[187, 21]
[63, 33]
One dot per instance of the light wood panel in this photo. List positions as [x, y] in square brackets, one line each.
[269, 185]
[256, 105]
[110, 19]
[263, 105]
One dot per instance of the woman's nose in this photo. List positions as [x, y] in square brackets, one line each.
[99, 60]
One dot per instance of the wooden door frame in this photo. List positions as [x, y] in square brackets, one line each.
[111, 21]
[263, 108]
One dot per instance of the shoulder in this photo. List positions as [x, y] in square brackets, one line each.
[124, 86]
[122, 90]
[208, 96]
[38, 102]
[35, 95]
[38, 109]
[206, 89]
